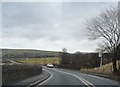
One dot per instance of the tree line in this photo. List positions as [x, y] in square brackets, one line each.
[84, 60]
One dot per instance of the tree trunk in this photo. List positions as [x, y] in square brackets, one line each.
[114, 61]
[114, 65]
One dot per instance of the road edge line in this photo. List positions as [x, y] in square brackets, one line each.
[87, 83]
[46, 79]
[40, 81]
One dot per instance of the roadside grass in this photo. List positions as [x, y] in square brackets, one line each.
[105, 69]
[41, 61]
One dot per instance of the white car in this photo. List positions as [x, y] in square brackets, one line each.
[50, 65]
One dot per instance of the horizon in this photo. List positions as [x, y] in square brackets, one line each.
[42, 50]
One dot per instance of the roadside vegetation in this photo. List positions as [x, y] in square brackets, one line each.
[41, 61]
[105, 69]
[106, 28]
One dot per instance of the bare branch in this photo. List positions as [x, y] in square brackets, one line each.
[106, 26]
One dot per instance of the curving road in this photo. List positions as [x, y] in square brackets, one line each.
[73, 77]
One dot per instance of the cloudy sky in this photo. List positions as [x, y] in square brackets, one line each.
[49, 25]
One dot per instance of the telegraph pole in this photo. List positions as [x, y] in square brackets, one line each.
[101, 59]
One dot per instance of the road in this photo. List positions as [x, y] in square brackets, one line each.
[13, 62]
[73, 77]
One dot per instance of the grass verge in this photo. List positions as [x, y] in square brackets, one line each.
[105, 71]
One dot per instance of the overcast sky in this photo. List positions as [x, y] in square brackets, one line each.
[49, 25]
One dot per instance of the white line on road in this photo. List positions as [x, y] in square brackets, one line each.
[36, 82]
[46, 79]
[80, 78]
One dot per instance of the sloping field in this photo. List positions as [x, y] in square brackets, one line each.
[24, 53]
[43, 61]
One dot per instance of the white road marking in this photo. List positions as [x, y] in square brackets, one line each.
[87, 83]
[40, 80]
[46, 79]
[80, 78]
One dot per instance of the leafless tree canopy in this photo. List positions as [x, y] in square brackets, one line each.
[106, 26]
[64, 50]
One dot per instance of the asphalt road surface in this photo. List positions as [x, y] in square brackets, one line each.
[75, 78]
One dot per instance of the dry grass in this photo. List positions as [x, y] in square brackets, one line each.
[43, 61]
[105, 69]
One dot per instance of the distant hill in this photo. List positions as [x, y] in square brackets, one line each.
[24, 53]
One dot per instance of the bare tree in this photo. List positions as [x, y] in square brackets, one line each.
[63, 55]
[104, 47]
[64, 50]
[106, 27]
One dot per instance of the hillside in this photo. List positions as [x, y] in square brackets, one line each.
[24, 53]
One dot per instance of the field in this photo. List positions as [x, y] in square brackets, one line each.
[42, 61]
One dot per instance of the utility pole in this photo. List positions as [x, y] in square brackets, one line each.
[101, 59]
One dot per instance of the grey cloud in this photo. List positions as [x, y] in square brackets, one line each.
[48, 25]
[22, 14]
